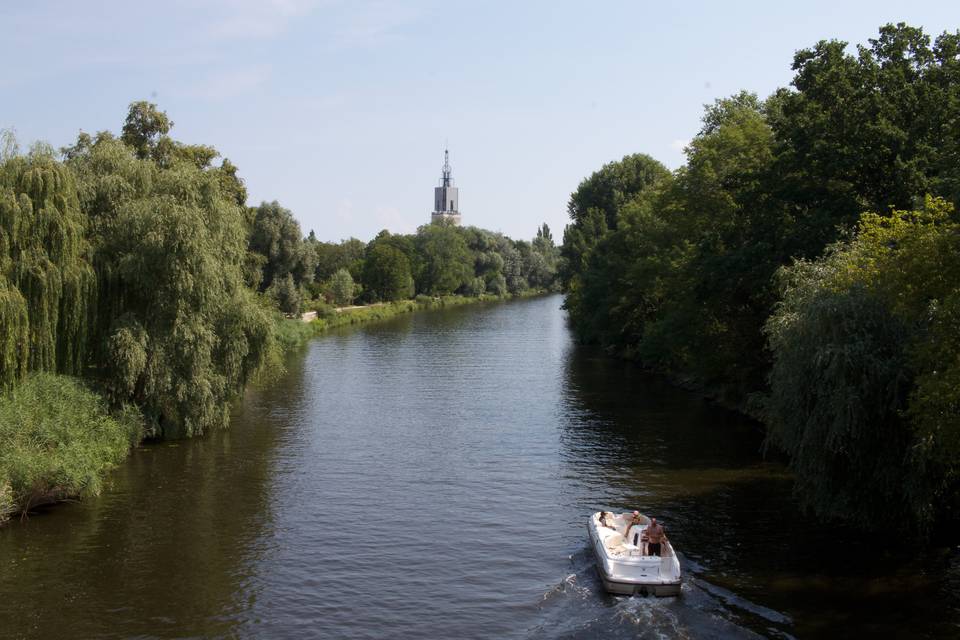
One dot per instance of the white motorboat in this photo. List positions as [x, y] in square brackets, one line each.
[622, 560]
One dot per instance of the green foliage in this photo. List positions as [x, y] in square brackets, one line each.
[865, 351]
[679, 271]
[838, 382]
[476, 287]
[386, 274]
[595, 211]
[341, 287]
[594, 208]
[276, 236]
[47, 285]
[144, 129]
[543, 261]
[176, 330]
[9, 147]
[608, 189]
[136, 263]
[439, 260]
[331, 257]
[286, 294]
[445, 263]
[14, 334]
[868, 131]
[58, 440]
[293, 333]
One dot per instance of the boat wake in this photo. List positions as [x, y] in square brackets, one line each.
[577, 606]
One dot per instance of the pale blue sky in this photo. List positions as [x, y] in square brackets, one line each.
[340, 109]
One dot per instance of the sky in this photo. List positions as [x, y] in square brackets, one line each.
[340, 110]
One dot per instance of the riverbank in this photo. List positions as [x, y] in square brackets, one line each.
[359, 422]
[293, 333]
[58, 439]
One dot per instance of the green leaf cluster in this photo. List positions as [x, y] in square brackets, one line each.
[57, 440]
[175, 330]
[679, 270]
[47, 286]
[864, 394]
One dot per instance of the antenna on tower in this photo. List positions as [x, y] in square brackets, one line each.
[447, 180]
[445, 196]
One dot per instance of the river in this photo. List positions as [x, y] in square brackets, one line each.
[431, 476]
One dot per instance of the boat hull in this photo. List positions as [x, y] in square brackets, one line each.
[637, 588]
[631, 573]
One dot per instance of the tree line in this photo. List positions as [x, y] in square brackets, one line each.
[139, 293]
[439, 259]
[804, 264]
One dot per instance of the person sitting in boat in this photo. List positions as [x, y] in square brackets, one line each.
[637, 519]
[654, 535]
[603, 520]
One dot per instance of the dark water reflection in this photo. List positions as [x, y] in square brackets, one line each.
[430, 477]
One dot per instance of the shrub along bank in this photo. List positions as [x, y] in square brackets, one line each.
[57, 441]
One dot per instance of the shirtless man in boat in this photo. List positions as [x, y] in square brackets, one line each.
[654, 535]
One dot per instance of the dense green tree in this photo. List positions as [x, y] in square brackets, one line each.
[445, 260]
[145, 128]
[594, 209]
[331, 257]
[47, 284]
[869, 131]
[543, 260]
[276, 236]
[764, 182]
[732, 238]
[386, 274]
[9, 147]
[608, 189]
[287, 294]
[342, 287]
[865, 354]
[176, 330]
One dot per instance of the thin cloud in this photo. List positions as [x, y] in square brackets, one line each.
[258, 19]
[372, 24]
[345, 212]
[679, 145]
[389, 217]
[235, 82]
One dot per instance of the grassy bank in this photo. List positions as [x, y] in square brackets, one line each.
[57, 441]
[292, 333]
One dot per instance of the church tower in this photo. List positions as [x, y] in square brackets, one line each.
[445, 205]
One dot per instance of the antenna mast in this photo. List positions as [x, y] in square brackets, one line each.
[447, 179]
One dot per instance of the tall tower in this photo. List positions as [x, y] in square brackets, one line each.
[445, 205]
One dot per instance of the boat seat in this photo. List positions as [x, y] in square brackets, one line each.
[613, 541]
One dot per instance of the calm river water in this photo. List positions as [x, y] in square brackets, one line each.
[431, 477]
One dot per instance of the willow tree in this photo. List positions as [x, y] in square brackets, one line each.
[177, 331]
[864, 386]
[47, 284]
[275, 234]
